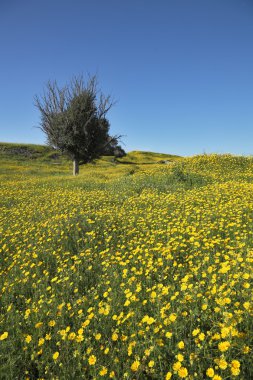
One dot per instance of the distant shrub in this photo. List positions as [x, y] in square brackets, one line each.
[190, 179]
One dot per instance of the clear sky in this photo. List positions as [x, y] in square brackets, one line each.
[180, 70]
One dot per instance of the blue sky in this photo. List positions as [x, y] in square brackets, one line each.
[180, 70]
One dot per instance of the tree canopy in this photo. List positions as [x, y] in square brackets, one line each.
[74, 120]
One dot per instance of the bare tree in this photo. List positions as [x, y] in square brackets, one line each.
[74, 119]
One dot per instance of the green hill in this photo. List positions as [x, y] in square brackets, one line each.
[42, 159]
[43, 152]
[140, 157]
[26, 151]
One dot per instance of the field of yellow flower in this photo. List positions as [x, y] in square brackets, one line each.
[128, 271]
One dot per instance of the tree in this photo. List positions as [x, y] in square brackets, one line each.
[114, 149]
[74, 120]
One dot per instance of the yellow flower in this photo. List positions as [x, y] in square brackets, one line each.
[235, 364]
[246, 349]
[222, 363]
[177, 366]
[235, 371]
[115, 337]
[182, 372]
[235, 367]
[180, 357]
[168, 334]
[225, 332]
[147, 352]
[51, 323]
[135, 365]
[63, 334]
[153, 294]
[41, 341]
[92, 360]
[224, 346]
[79, 338]
[168, 376]
[28, 338]
[150, 320]
[210, 372]
[4, 335]
[9, 307]
[71, 336]
[195, 332]
[103, 371]
[98, 336]
[56, 355]
[201, 337]
[172, 317]
[38, 325]
[86, 323]
[181, 345]
[151, 364]
[80, 331]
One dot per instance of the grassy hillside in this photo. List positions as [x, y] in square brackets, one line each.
[135, 270]
[29, 158]
[140, 157]
[43, 160]
[31, 151]
[14, 151]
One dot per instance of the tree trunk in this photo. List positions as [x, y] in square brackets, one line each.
[75, 166]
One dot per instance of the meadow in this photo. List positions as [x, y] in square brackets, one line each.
[138, 269]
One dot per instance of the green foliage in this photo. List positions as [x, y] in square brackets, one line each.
[188, 179]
